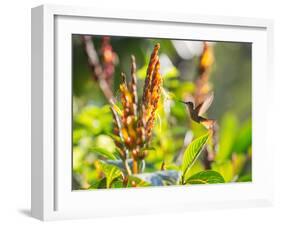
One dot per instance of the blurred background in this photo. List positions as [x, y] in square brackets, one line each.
[229, 78]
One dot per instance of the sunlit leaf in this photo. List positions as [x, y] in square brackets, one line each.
[111, 172]
[196, 168]
[192, 152]
[206, 177]
[104, 152]
[117, 183]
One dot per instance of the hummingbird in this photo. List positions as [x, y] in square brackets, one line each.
[197, 110]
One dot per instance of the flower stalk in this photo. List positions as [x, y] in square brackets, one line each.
[137, 121]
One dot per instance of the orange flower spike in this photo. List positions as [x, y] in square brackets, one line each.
[156, 81]
[206, 58]
[156, 92]
[130, 124]
[133, 85]
[153, 59]
[126, 97]
[141, 126]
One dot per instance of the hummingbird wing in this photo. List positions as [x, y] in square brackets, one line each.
[204, 106]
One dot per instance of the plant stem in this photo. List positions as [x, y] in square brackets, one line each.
[127, 167]
[135, 166]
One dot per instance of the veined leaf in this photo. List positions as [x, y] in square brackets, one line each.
[205, 177]
[111, 172]
[192, 152]
[117, 183]
[103, 152]
[196, 168]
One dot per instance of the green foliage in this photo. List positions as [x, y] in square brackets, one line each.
[94, 119]
[225, 169]
[111, 172]
[191, 154]
[244, 138]
[245, 178]
[103, 152]
[205, 177]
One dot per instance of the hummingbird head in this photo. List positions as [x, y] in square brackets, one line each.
[188, 103]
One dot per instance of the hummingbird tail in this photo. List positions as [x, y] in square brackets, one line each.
[208, 123]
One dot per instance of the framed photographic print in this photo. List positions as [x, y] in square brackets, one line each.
[137, 113]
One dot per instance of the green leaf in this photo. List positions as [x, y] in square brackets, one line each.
[227, 137]
[103, 152]
[196, 168]
[206, 177]
[192, 152]
[117, 183]
[111, 172]
[245, 178]
[225, 169]
[98, 184]
[244, 138]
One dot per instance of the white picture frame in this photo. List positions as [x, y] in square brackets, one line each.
[52, 197]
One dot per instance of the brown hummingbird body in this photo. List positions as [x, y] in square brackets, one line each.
[196, 111]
